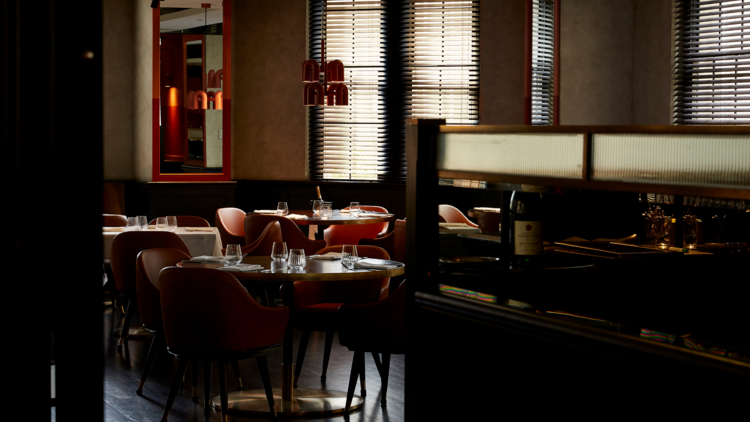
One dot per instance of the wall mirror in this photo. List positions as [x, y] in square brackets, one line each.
[192, 105]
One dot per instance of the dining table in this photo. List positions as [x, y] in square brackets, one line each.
[199, 240]
[288, 400]
[337, 218]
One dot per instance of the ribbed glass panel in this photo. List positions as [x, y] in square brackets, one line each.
[527, 154]
[443, 61]
[542, 62]
[674, 159]
[712, 62]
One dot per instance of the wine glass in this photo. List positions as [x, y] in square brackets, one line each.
[317, 204]
[348, 256]
[278, 251]
[233, 254]
[132, 224]
[297, 258]
[282, 209]
[172, 222]
[354, 209]
[326, 211]
[161, 223]
[142, 222]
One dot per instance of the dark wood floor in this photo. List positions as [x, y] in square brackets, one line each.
[123, 370]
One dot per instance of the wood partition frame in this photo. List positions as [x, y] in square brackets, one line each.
[226, 156]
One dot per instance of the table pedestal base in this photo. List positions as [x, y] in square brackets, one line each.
[305, 403]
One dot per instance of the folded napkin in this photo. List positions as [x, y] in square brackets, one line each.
[487, 209]
[330, 256]
[373, 265]
[265, 211]
[151, 227]
[344, 211]
[241, 267]
[296, 216]
[199, 229]
[454, 225]
[113, 229]
[207, 258]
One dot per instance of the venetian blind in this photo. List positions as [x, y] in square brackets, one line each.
[712, 62]
[542, 62]
[443, 61]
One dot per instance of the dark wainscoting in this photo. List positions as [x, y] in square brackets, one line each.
[264, 194]
[154, 199]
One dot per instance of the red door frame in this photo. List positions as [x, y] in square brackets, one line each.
[226, 158]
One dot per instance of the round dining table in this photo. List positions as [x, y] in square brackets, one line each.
[290, 401]
[338, 218]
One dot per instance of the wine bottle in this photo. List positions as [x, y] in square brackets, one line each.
[526, 229]
[320, 198]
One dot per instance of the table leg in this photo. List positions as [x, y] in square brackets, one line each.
[288, 401]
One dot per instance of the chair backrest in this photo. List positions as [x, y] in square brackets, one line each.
[125, 249]
[114, 220]
[188, 221]
[147, 267]
[114, 198]
[452, 214]
[308, 293]
[290, 232]
[350, 234]
[380, 327]
[207, 310]
[231, 225]
[263, 244]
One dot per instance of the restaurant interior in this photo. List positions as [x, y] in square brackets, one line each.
[240, 174]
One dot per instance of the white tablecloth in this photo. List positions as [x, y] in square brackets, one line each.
[199, 243]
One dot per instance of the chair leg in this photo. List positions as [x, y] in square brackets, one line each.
[362, 388]
[301, 355]
[207, 387]
[126, 325]
[237, 377]
[194, 379]
[181, 366]
[327, 354]
[153, 350]
[378, 365]
[223, 389]
[353, 379]
[266, 378]
[384, 378]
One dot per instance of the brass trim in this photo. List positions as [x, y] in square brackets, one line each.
[305, 403]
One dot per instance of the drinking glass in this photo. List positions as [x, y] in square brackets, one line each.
[142, 222]
[172, 222]
[348, 256]
[233, 254]
[326, 211]
[690, 231]
[161, 223]
[132, 224]
[278, 251]
[354, 209]
[317, 204]
[297, 258]
[282, 209]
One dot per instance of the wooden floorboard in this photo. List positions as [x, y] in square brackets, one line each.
[123, 370]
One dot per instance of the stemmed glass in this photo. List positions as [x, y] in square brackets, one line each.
[172, 222]
[317, 204]
[354, 209]
[233, 254]
[297, 258]
[282, 209]
[161, 223]
[349, 256]
[142, 222]
[278, 251]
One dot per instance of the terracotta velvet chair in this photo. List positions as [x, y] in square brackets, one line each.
[148, 266]
[316, 303]
[209, 316]
[452, 214]
[114, 220]
[395, 244]
[188, 221]
[349, 234]
[290, 232]
[230, 222]
[125, 249]
[375, 328]
[263, 244]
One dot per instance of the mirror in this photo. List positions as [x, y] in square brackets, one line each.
[191, 90]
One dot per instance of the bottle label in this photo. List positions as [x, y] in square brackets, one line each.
[528, 237]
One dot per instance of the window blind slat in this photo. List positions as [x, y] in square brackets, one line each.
[542, 63]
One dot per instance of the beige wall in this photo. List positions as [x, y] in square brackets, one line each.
[118, 94]
[268, 118]
[501, 61]
[142, 90]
